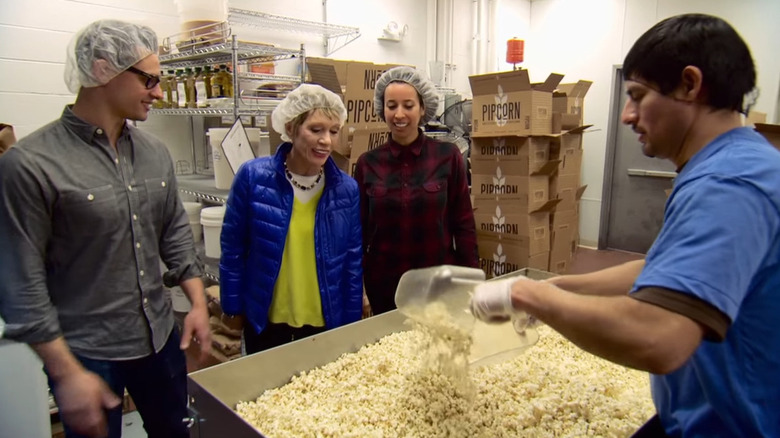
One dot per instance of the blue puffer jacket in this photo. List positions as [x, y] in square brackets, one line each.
[255, 229]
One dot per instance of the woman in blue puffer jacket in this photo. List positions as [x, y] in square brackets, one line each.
[291, 236]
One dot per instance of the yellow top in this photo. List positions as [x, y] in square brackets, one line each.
[296, 299]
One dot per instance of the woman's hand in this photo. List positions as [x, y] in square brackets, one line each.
[366, 307]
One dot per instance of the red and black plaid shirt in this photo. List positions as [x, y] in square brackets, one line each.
[416, 212]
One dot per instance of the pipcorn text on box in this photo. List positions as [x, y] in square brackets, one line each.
[499, 256]
[508, 104]
[355, 82]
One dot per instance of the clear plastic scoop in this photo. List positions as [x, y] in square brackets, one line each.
[453, 287]
[450, 285]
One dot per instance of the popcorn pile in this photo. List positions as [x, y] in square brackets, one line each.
[390, 389]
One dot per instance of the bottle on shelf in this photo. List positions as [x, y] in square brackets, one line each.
[189, 88]
[222, 83]
[200, 88]
[171, 92]
[207, 76]
[228, 79]
[181, 86]
[216, 85]
[161, 103]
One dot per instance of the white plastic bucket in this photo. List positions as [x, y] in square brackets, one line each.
[259, 142]
[211, 219]
[202, 10]
[223, 174]
[193, 214]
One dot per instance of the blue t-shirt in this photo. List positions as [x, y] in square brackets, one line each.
[720, 242]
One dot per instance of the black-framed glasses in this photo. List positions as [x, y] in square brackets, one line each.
[151, 80]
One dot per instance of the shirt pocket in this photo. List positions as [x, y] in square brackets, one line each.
[435, 194]
[376, 191]
[88, 212]
[431, 201]
[156, 197]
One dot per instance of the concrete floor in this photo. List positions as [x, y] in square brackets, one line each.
[132, 426]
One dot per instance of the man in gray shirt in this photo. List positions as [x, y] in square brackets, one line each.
[89, 207]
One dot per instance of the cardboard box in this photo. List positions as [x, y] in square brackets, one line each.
[364, 140]
[569, 197]
[569, 140]
[569, 101]
[354, 81]
[509, 220]
[754, 117]
[511, 180]
[535, 150]
[563, 234]
[496, 165]
[508, 104]
[560, 183]
[499, 256]
[770, 132]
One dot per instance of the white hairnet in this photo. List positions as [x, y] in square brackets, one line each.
[116, 44]
[302, 99]
[413, 77]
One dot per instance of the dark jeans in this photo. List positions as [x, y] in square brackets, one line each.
[275, 335]
[157, 384]
[652, 429]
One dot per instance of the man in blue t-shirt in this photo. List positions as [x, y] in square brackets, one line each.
[699, 312]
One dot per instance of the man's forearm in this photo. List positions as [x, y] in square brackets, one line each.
[195, 291]
[613, 281]
[57, 358]
[617, 328]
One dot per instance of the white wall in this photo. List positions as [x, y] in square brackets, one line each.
[585, 39]
[35, 35]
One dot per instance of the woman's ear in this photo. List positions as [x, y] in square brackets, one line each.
[289, 130]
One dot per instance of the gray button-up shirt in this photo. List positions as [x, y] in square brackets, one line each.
[82, 229]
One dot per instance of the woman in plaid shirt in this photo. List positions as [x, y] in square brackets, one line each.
[414, 195]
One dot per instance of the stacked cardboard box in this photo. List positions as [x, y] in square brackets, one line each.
[770, 132]
[565, 186]
[511, 165]
[354, 81]
[526, 160]
[569, 109]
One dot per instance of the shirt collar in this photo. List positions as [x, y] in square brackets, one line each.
[711, 149]
[83, 129]
[414, 147]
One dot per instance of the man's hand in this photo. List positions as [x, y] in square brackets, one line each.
[82, 398]
[196, 323]
[196, 326]
[492, 300]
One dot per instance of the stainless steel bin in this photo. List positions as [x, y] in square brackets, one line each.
[215, 391]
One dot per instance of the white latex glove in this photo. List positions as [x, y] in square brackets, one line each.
[492, 300]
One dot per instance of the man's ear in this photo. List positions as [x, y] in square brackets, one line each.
[691, 84]
[102, 71]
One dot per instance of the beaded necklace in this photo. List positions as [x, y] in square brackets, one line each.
[299, 185]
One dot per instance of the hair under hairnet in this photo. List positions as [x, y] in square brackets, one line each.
[302, 99]
[103, 49]
[413, 77]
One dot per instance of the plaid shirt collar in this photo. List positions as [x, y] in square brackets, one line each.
[415, 147]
